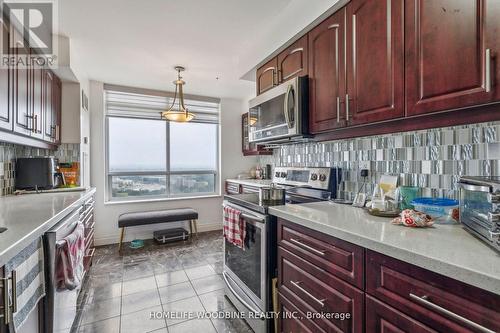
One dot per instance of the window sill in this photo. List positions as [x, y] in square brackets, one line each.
[150, 200]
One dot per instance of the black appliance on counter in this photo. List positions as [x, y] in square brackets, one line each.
[38, 173]
[249, 273]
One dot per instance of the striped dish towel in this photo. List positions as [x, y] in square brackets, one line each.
[234, 227]
[30, 277]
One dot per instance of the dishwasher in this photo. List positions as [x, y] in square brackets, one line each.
[60, 305]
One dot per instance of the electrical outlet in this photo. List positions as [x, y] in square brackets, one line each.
[364, 165]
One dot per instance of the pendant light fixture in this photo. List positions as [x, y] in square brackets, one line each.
[181, 113]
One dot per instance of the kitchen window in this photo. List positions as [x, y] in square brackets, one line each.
[150, 158]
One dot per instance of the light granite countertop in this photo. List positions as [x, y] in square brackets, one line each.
[445, 249]
[252, 182]
[29, 216]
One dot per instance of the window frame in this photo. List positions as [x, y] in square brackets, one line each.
[167, 173]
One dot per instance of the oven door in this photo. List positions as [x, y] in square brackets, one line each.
[277, 113]
[245, 269]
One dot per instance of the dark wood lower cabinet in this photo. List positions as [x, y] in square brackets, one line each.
[395, 297]
[3, 326]
[381, 318]
[338, 305]
[293, 320]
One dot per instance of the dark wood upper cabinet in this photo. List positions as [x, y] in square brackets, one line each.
[451, 50]
[49, 120]
[375, 60]
[21, 90]
[327, 74]
[5, 90]
[57, 108]
[36, 86]
[267, 76]
[292, 62]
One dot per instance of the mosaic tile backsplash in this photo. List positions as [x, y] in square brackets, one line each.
[9, 152]
[431, 159]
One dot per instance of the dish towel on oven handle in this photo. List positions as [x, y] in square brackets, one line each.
[69, 259]
[30, 282]
[234, 227]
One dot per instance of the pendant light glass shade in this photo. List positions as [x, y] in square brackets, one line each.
[181, 113]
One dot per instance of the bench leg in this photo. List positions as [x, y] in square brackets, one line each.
[122, 233]
[195, 222]
[190, 231]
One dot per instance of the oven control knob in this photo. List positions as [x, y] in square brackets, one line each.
[283, 175]
[322, 178]
[314, 176]
[277, 174]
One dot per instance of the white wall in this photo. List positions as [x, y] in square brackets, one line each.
[209, 209]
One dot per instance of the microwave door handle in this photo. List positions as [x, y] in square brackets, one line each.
[285, 106]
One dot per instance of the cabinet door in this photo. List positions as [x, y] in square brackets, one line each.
[375, 60]
[293, 61]
[3, 326]
[327, 74]
[312, 290]
[56, 108]
[381, 318]
[447, 54]
[267, 76]
[21, 89]
[5, 78]
[48, 109]
[36, 93]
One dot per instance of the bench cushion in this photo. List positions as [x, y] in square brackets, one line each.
[158, 216]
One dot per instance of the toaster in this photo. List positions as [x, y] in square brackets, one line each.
[480, 208]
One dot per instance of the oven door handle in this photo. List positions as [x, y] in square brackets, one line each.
[245, 303]
[252, 218]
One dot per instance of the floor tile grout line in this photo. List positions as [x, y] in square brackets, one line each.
[161, 303]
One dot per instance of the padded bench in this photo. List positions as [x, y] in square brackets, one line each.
[157, 216]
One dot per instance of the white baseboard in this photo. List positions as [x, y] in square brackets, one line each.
[146, 234]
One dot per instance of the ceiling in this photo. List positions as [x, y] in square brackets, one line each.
[137, 43]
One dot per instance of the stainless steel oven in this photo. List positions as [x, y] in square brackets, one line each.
[280, 114]
[246, 271]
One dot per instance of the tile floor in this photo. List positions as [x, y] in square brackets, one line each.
[121, 292]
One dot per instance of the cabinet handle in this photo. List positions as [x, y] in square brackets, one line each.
[347, 107]
[338, 109]
[28, 117]
[310, 248]
[57, 132]
[424, 300]
[487, 68]
[319, 301]
[35, 121]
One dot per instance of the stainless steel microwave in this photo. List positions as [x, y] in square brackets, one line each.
[281, 113]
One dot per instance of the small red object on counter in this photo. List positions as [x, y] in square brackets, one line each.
[414, 219]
